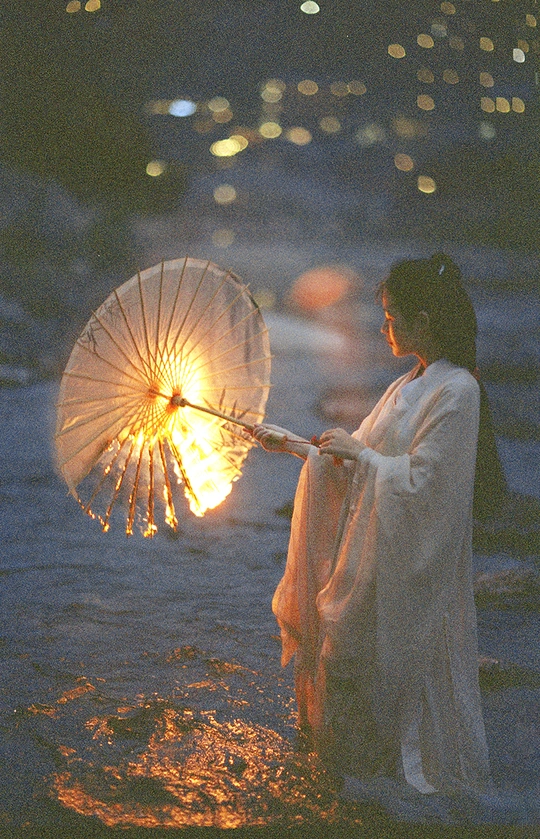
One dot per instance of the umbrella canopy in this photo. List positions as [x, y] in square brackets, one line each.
[181, 334]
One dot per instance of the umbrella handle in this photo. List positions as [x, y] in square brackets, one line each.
[182, 402]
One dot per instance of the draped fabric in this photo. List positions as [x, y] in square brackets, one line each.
[376, 603]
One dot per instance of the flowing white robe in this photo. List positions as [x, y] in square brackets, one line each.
[376, 602]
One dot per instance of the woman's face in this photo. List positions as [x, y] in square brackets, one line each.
[402, 338]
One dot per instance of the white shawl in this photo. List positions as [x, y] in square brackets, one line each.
[395, 526]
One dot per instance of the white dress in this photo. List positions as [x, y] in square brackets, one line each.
[376, 602]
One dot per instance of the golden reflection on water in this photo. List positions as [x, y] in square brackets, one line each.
[196, 772]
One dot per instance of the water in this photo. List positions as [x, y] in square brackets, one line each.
[141, 681]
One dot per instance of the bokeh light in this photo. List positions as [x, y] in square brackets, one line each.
[270, 130]
[487, 44]
[224, 194]
[339, 89]
[272, 91]
[180, 108]
[73, 6]
[425, 75]
[486, 79]
[518, 105]
[330, 124]
[404, 162]
[426, 184]
[450, 77]
[425, 102]
[425, 41]
[298, 135]
[321, 287]
[518, 55]
[156, 168]
[218, 103]
[229, 147]
[487, 104]
[448, 8]
[308, 87]
[371, 134]
[487, 131]
[396, 50]
[223, 237]
[502, 105]
[92, 6]
[310, 7]
[357, 88]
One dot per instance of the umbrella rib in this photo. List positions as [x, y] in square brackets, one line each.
[150, 527]
[133, 496]
[187, 483]
[168, 488]
[130, 333]
[95, 354]
[236, 367]
[191, 302]
[243, 320]
[185, 338]
[82, 422]
[244, 343]
[175, 302]
[116, 344]
[72, 375]
[145, 324]
[106, 472]
[222, 313]
[118, 486]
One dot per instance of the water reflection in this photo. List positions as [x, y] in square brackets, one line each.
[181, 768]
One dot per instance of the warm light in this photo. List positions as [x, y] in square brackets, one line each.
[425, 102]
[226, 148]
[222, 116]
[310, 8]
[486, 80]
[518, 105]
[502, 105]
[73, 6]
[530, 20]
[370, 134]
[273, 90]
[156, 168]
[487, 44]
[308, 88]
[403, 162]
[523, 45]
[456, 43]
[425, 41]
[339, 89]
[426, 184]
[357, 88]
[270, 130]
[487, 131]
[518, 55]
[396, 51]
[487, 104]
[218, 103]
[321, 287]
[450, 77]
[299, 136]
[439, 29]
[181, 108]
[224, 194]
[409, 128]
[330, 124]
[223, 238]
[92, 6]
[240, 139]
[448, 8]
[424, 74]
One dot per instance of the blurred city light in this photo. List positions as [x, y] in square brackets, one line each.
[223, 237]
[330, 124]
[457, 43]
[487, 104]
[518, 105]
[487, 44]
[426, 184]
[450, 77]
[308, 88]
[425, 102]
[299, 136]
[224, 194]
[218, 103]
[425, 41]
[396, 51]
[228, 147]
[156, 168]
[487, 131]
[438, 28]
[357, 88]
[73, 6]
[321, 287]
[181, 108]
[518, 55]
[310, 8]
[424, 74]
[92, 6]
[339, 89]
[486, 80]
[370, 134]
[448, 8]
[403, 162]
[270, 130]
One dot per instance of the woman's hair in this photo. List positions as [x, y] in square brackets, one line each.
[435, 286]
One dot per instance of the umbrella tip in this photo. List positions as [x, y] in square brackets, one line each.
[178, 401]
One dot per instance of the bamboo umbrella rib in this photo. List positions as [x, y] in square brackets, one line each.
[118, 486]
[106, 472]
[178, 457]
[118, 346]
[215, 358]
[150, 511]
[158, 314]
[133, 496]
[71, 374]
[222, 314]
[173, 307]
[185, 338]
[224, 335]
[129, 330]
[242, 366]
[112, 414]
[191, 302]
[106, 361]
[168, 488]
[145, 323]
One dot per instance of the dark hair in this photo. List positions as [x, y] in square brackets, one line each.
[435, 286]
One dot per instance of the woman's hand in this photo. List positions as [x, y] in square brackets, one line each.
[339, 444]
[273, 438]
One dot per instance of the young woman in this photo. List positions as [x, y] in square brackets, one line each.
[376, 603]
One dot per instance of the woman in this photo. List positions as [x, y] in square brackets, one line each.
[376, 603]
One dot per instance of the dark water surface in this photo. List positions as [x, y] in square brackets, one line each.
[141, 683]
